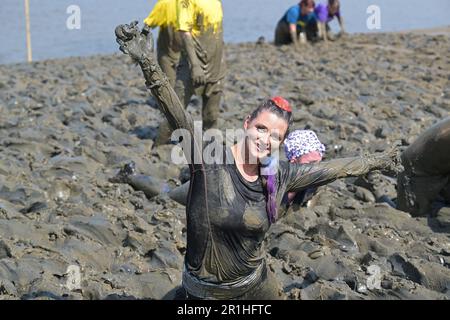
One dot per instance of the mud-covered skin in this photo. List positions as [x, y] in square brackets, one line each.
[140, 48]
[180, 193]
[427, 170]
[226, 215]
[168, 52]
[149, 185]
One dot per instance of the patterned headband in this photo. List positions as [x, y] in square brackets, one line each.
[301, 142]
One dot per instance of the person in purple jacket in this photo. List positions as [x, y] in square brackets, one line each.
[324, 14]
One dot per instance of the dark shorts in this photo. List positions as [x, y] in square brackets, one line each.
[268, 289]
[283, 36]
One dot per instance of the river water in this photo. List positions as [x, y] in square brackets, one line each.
[244, 20]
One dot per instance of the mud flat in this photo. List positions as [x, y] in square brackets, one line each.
[67, 126]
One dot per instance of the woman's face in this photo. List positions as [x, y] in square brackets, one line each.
[264, 134]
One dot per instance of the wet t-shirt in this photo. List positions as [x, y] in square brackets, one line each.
[196, 16]
[163, 14]
[203, 19]
[227, 218]
[237, 218]
[294, 16]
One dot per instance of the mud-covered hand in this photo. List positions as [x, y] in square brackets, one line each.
[388, 160]
[198, 75]
[146, 29]
[138, 45]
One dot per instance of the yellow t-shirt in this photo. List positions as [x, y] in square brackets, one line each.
[197, 15]
[164, 14]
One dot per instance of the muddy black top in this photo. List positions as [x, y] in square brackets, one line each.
[226, 215]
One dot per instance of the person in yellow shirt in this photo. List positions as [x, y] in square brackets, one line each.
[201, 68]
[164, 16]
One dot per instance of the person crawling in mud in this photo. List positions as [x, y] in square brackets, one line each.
[233, 201]
[325, 13]
[298, 22]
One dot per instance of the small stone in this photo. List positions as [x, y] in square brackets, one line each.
[286, 268]
[374, 280]
[315, 254]
[364, 195]
[311, 276]
[367, 258]
[7, 288]
[387, 284]
[362, 289]
[351, 204]
[295, 294]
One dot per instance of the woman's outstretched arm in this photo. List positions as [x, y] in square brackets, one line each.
[139, 46]
[303, 176]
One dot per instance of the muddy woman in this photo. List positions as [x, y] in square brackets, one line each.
[426, 176]
[232, 203]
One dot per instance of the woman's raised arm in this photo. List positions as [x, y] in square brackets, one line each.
[139, 46]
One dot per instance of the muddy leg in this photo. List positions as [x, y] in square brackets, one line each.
[168, 66]
[282, 35]
[312, 32]
[168, 56]
[211, 105]
[149, 185]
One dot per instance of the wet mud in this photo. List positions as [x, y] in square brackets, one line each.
[68, 126]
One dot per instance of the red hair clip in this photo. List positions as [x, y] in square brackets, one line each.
[282, 103]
